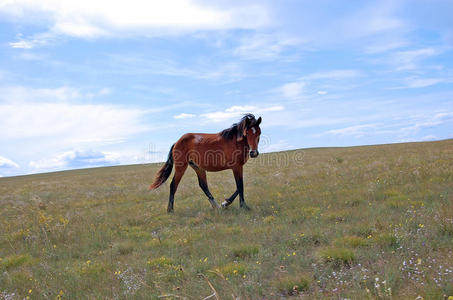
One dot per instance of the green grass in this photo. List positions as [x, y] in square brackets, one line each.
[372, 222]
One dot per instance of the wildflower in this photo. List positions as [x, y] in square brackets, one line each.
[419, 261]
[205, 260]
[294, 253]
[54, 246]
[29, 291]
[421, 225]
[88, 262]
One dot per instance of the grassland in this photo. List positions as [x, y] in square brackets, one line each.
[372, 222]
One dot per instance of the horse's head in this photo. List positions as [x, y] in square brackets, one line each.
[252, 132]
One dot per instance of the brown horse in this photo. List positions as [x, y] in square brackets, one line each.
[228, 149]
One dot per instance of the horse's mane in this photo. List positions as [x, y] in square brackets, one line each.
[237, 129]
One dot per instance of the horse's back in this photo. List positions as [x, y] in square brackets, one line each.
[207, 150]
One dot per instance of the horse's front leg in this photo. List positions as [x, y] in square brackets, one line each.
[230, 200]
[240, 186]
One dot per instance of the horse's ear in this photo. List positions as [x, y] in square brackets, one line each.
[258, 121]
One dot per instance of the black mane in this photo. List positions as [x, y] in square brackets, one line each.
[237, 129]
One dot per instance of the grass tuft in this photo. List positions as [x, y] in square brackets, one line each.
[291, 285]
[15, 261]
[245, 251]
[234, 269]
[351, 241]
[337, 255]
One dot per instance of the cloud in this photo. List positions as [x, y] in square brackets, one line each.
[237, 111]
[38, 39]
[333, 75]
[385, 46]
[264, 46]
[426, 120]
[415, 82]
[66, 121]
[407, 60]
[184, 116]
[48, 113]
[357, 130]
[76, 159]
[7, 163]
[281, 145]
[202, 69]
[404, 129]
[91, 19]
[293, 90]
[21, 93]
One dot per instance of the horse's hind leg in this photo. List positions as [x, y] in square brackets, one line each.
[179, 172]
[203, 182]
[230, 200]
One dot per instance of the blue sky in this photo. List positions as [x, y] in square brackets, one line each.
[93, 83]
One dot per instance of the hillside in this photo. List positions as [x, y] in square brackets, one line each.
[359, 222]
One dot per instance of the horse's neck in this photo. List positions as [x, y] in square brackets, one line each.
[243, 145]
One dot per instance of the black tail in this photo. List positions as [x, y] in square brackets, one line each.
[164, 172]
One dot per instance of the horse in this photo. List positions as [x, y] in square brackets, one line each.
[228, 149]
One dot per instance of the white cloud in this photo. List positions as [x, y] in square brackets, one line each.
[385, 46]
[293, 90]
[425, 82]
[31, 42]
[88, 18]
[184, 116]
[407, 60]
[281, 145]
[264, 46]
[426, 120]
[202, 69]
[105, 92]
[237, 111]
[20, 94]
[333, 75]
[76, 159]
[418, 82]
[7, 163]
[357, 130]
[65, 121]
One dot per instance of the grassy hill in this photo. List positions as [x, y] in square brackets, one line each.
[361, 222]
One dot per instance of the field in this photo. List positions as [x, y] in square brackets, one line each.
[372, 222]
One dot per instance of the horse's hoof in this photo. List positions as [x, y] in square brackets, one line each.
[246, 207]
[169, 210]
[224, 204]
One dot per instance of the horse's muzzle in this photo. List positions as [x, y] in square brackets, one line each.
[254, 153]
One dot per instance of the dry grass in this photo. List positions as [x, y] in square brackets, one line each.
[362, 222]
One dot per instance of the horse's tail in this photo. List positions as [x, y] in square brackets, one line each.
[164, 172]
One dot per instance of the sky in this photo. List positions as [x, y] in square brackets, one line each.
[99, 83]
